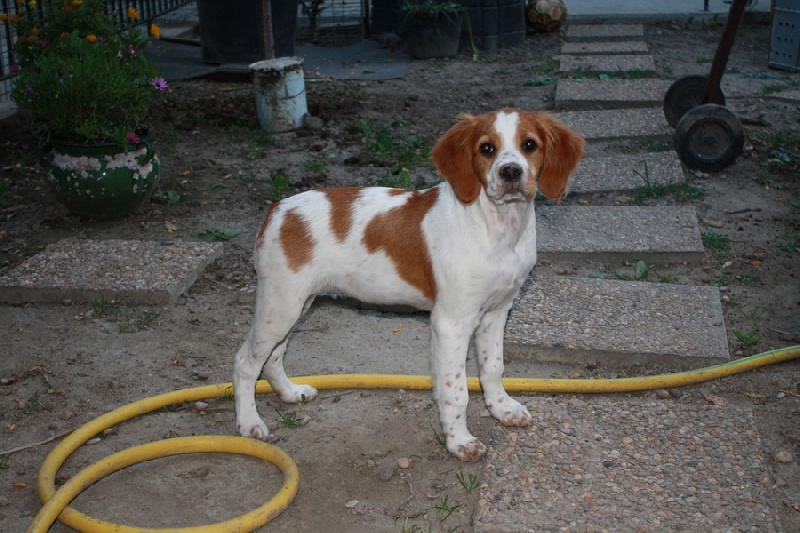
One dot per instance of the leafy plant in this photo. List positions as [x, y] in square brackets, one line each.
[288, 419]
[539, 82]
[641, 271]
[278, 186]
[216, 235]
[102, 307]
[83, 77]
[438, 438]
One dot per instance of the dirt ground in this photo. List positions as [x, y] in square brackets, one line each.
[369, 460]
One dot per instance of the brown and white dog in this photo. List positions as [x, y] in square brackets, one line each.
[461, 249]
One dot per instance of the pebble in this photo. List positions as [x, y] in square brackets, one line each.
[93, 441]
[387, 473]
[403, 462]
[783, 456]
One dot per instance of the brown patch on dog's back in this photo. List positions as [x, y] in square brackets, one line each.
[341, 201]
[296, 240]
[398, 232]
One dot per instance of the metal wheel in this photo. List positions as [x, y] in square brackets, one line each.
[686, 94]
[709, 138]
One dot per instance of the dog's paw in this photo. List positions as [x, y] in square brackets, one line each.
[470, 451]
[510, 413]
[298, 394]
[257, 430]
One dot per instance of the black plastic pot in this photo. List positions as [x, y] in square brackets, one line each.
[432, 35]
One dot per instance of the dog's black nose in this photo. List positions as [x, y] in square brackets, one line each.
[511, 172]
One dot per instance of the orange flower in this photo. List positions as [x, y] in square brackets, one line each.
[91, 37]
[77, 3]
[155, 31]
[133, 13]
[35, 31]
[15, 18]
[3, 17]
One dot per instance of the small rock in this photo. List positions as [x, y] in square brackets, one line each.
[403, 462]
[351, 504]
[93, 441]
[387, 473]
[783, 456]
[438, 484]
[200, 405]
[432, 496]
[663, 394]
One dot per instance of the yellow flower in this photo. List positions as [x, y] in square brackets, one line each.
[91, 37]
[155, 31]
[32, 4]
[3, 17]
[133, 13]
[77, 3]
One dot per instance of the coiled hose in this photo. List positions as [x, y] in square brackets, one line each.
[56, 503]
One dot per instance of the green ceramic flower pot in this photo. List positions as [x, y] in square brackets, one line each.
[103, 180]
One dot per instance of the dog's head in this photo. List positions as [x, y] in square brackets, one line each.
[508, 153]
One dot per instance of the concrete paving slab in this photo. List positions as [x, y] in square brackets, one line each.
[610, 94]
[611, 64]
[598, 320]
[648, 123]
[604, 32]
[662, 234]
[611, 463]
[605, 47]
[149, 272]
[624, 172]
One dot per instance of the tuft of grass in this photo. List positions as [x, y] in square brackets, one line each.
[539, 82]
[103, 307]
[444, 509]
[288, 418]
[314, 165]
[438, 438]
[469, 482]
[5, 463]
[717, 241]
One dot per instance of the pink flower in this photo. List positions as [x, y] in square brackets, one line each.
[41, 43]
[14, 68]
[159, 84]
[132, 138]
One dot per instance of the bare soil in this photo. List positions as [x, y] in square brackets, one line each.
[66, 363]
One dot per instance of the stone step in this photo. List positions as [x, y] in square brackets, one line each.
[604, 32]
[605, 47]
[610, 94]
[664, 234]
[148, 272]
[632, 64]
[616, 124]
[626, 172]
[594, 320]
[627, 462]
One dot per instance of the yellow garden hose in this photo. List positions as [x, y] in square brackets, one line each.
[56, 502]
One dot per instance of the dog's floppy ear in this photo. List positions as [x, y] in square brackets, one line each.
[563, 149]
[452, 157]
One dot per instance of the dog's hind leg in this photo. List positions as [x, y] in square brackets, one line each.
[264, 349]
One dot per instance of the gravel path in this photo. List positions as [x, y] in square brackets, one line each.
[626, 464]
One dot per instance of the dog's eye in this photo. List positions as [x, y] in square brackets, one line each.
[529, 145]
[487, 148]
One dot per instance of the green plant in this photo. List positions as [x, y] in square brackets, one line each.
[539, 82]
[414, 528]
[716, 241]
[83, 77]
[791, 245]
[438, 438]
[314, 165]
[288, 419]
[655, 190]
[748, 339]
[216, 235]
[657, 146]
[4, 186]
[469, 483]
[102, 307]
[278, 186]
[5, 463]
[641, 271]
[444, 509]
[33, 404]
[384, 144]
[173, 197]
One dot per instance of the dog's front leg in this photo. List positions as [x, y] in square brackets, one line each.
[489, 344]
[449, 342]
